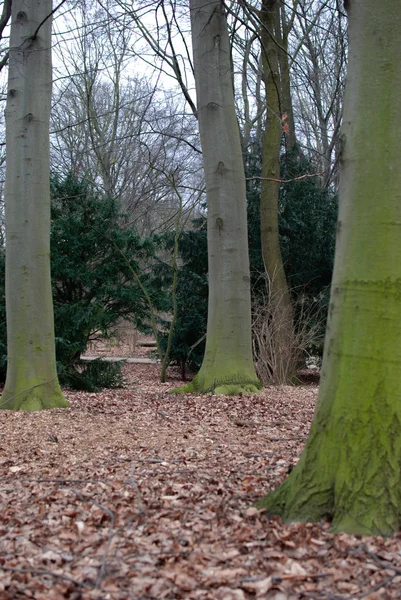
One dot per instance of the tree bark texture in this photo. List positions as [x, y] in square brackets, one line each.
[279, 295]
[227, 367]
[31, 382]
[350, 469]
[283, 30]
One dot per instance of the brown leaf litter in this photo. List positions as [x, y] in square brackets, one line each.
[137, 494]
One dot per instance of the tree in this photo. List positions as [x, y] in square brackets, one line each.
[4, 18]
[318, 50]
[280, 299]
[31, 382]
[227, 366]
[350, 469]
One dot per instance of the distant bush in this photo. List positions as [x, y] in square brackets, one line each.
[92, 375]
[188, 343]
[307, 225]
[93, 287]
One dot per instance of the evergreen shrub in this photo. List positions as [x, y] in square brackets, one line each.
[93, 287]
[188, 343]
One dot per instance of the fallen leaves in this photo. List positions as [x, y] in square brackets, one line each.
[136, 494]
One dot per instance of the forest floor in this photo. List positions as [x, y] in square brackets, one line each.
[134, 494]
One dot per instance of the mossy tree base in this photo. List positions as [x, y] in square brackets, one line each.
[227, 389]
[35, 398]
[230, 385]
[350, 470]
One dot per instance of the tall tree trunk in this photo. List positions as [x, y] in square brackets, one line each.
[227, 366]
[283, 29]
[351, 466]
[32, 381]
[279, 295]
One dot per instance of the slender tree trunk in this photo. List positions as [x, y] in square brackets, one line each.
[32, 381]
[227, 366]
[279, 295]
[283, 29]
[351, 466]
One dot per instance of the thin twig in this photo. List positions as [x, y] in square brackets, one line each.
[3, 62]
[377, 587]
[133, 483]
[112, 534]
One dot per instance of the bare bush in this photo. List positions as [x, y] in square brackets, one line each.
[127, 334]
[277, 365]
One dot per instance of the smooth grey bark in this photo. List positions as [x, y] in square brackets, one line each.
[227, 367]
[32, 381]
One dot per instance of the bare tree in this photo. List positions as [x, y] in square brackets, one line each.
[319, 48]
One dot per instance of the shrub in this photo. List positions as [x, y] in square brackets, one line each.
[188, 343]
[93, 287]
[92, 375]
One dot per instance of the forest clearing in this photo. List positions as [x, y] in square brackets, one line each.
[135, 493]
[246, 214]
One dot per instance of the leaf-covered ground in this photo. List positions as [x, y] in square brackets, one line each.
[136, 494]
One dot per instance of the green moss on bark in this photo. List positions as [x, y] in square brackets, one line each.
[223, 376]
[230, 386]
[350, 470]
[35, 397]
[351, 466]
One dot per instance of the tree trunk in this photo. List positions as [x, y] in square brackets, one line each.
[351, 466]
[280, 304]
[283, 30]
[227, 366]
[32, 381]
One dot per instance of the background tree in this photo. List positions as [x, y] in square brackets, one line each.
[318, 51]
[351, 467]
[227, 365]
[279, 295]
[31, 382]
[4, 19]
[119, 130]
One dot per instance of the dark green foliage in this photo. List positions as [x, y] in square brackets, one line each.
[188, 343]
[92, 375]
[93, 286]
[253, 169]
[307, 220]
[307, 225]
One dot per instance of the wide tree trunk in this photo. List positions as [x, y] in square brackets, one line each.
[350, 469]
[280, 305]
[227, 367]
[32, 381]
